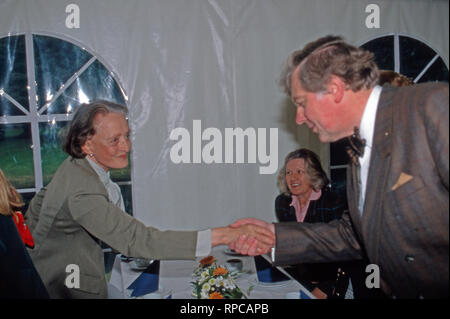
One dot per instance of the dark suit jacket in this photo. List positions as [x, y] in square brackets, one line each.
[18, 277]
[405, 223]
[328, 277]
[323, 210]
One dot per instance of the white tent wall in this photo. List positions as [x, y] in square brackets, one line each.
[216, 61]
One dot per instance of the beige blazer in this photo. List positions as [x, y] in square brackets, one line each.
[72, 214]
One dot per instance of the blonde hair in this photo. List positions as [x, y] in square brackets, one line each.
[313, 169]
[10, 199]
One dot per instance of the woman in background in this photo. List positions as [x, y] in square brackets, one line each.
[306, 197]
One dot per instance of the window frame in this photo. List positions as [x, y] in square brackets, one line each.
[397, 36]
[34, 116]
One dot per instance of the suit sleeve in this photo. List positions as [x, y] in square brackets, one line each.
[126, 234]
[34, 209]
[318, 242]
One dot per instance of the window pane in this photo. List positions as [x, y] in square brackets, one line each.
[437, 72]
[52, 154]
[7, 108]
[414, 56]
[339, 180]
[16, 155]
[26, 197]
[383, 48]
[338, 153]
[126, 194]
[121, 175]
[55, 61]
[13, 74]
[95, 83]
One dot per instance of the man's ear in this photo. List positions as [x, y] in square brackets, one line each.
[336, 88]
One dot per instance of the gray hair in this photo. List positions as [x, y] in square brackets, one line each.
[330, 55]
[82, 125]
[313, 169]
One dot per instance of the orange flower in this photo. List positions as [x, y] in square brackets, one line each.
[220, 271]
[215, 295]
[207, 261]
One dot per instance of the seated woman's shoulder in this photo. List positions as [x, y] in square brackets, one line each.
[283, 200]
[283, 209]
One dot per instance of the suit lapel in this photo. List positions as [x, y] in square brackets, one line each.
[381, 149]
[352, 197]
[379, 163]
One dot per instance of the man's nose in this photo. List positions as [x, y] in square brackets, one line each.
[300, 118]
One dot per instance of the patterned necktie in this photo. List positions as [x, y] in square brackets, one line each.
[356, 150]
[356, 146]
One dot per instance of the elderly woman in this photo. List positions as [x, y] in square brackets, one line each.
[307, 198]
[81, 206]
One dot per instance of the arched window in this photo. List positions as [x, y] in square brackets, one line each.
[408, 56]
[43, 79]
[403, 54]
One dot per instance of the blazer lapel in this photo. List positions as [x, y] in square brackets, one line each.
[52, 204]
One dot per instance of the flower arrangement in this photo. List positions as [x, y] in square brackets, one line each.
[212, 281]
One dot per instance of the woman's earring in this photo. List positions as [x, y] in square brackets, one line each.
[91, 155]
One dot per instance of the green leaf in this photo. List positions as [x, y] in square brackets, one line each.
[250, 289]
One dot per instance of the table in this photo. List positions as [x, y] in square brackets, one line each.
[176, 275]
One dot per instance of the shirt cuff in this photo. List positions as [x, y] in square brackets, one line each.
[203, 243]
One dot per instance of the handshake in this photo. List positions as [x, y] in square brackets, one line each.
[248, 236]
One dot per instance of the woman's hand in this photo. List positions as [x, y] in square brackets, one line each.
[261, 239]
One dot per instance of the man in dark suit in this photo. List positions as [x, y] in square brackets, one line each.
[397, 186]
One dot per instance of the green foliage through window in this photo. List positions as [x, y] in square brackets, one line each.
[37, 109]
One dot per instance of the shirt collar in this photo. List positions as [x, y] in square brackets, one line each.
[314, 196]
[367, 124]
[104, 175]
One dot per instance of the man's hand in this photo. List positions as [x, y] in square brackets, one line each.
[248, 245]
[260, 238]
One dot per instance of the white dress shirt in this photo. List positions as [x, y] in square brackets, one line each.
[366, 129]
[114, 193]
